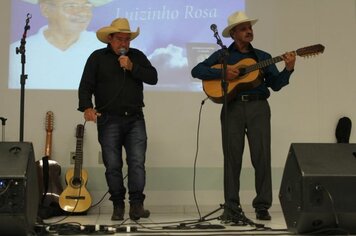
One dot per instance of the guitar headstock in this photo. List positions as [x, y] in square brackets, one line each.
[80, 131]
[49, 121]
[310, 50]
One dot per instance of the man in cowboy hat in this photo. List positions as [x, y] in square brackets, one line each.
[115, 76]
[57, 51]
[248, 113]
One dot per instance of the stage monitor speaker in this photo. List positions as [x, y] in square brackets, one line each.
[18, 188]
[318, 188]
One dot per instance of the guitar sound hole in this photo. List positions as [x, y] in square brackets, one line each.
[242, 71]
[76, 182]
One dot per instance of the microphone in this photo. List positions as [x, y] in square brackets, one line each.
[122, 53]
[214, 28]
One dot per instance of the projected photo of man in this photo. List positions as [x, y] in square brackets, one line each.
[56, 52]
[61, 37]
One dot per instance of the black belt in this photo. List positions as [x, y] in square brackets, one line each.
[126, 113]
[130, 113]
[250, 97]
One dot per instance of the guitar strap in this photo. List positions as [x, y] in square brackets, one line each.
[45, 176]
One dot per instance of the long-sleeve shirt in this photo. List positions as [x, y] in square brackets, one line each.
[271, 76]
[115, 90]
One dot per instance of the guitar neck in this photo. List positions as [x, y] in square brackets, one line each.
[261, 64]
[49, 130]
[48, 149]
[306, 51]
[78, 162]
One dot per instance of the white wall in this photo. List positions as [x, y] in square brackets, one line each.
[322, 90]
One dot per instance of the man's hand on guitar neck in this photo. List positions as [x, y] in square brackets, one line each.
[289, 59]
[90, 114]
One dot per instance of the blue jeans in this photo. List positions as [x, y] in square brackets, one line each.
[115, 132]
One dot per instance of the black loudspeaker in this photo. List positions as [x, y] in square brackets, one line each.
[318, 188]
[18, 188]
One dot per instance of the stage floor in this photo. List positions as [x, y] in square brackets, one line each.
[167, 224]
[174, 223]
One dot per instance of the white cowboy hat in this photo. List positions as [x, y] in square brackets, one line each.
[96, 3]
[235, 19]
[119, 25]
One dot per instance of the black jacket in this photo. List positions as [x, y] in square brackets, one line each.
[115, 90]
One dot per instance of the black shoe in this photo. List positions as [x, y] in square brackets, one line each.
[263, 214]
[118, 213]
[137, 211]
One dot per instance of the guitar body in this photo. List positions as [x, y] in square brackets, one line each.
[51, 195]
[213, 87]
[249, 74]
[49, 171]
[75, 197]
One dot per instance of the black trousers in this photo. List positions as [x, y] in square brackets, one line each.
[251, 119]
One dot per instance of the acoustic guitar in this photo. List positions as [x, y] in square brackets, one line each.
[249, 74]
[75, 197]
[48, 170]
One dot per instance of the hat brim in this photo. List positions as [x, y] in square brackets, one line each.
[103, 33]
[226, 31]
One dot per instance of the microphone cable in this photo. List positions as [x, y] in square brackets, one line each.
[196, 157]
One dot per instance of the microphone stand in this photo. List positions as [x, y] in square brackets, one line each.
[224, 87]
[223, 60]
[23, 76]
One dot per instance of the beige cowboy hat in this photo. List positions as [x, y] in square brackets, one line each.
[96, 3]
[119, 25]
[235, 19]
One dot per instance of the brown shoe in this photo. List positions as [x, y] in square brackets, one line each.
[118, 213]
[137, 211]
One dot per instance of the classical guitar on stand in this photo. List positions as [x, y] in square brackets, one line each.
[249, 74]
[49, 171]
[75, 197]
